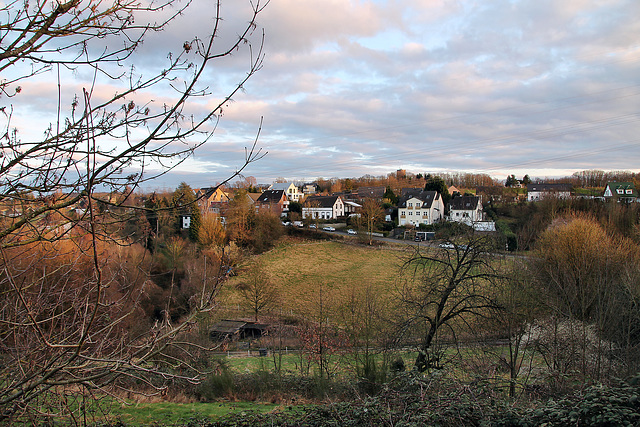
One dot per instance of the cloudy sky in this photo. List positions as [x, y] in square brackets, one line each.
[355, 87]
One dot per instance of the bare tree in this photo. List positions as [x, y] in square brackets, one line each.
[258, 291]
[443, 289]
[371, 213]
[76, 158]
[68, 316]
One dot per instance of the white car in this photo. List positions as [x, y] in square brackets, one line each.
[352, 231]
[328, 228]
[446, 245]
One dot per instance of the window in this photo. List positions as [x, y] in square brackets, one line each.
[629, 191]
[410, 204]
[620, 191]
[417, 205]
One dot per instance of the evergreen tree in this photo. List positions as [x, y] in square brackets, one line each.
[390, 195]
[184, 199]
[435, 183]
[512, 181]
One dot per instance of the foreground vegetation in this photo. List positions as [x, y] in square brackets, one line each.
[407, 399]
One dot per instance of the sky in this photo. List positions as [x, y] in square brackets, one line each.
[352, 88]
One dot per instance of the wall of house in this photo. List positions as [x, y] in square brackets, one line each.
[317, 213]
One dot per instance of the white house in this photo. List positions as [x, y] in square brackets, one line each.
[292, 192]
[323, 207]
[465, 209]
[621, 192]
[309, 189]
[536, 192]
[420, 207]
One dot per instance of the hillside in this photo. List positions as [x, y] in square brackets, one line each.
[301, 271]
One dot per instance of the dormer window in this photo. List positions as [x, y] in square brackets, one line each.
[619, 191]
[629, 191]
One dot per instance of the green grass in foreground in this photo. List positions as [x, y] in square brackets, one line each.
[166, 413]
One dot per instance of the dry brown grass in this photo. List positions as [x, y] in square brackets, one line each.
[303, 271]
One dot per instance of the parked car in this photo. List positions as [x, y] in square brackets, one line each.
[352, 231]
[447, 245]
[312, 226]
[328, 228]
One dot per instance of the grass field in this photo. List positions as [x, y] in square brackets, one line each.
[170, 413]
[300, 271]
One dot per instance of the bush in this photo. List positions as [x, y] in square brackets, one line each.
[596, 406]
[509, 236]
[269, 386]
[219, 383]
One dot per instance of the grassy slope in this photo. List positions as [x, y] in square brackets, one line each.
[301, 270]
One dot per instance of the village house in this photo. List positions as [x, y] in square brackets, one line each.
[370, 193]
[292, 192]
[212, 199]
[273, 201]
[323, 207]
[624, 192]
[537, 192]
[420, 207]
[352, 208]
[310, 188]
[466, 209]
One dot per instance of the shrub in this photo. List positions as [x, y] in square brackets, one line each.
[219, 383]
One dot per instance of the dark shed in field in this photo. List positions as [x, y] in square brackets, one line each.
[236, 329]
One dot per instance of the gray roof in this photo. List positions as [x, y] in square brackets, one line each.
[426, 197]
[281, 186]
[271, 196]
[321, 201]
[548, 187]
[464, 203]
[375, 192]
[227, 326]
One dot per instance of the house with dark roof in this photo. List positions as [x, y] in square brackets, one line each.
[291, 190]
[540, 191]
[212, 199]
[273, 201]
[323, 207]
[370, 192]
[466, 209]
[624, 192]
[417, 206]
